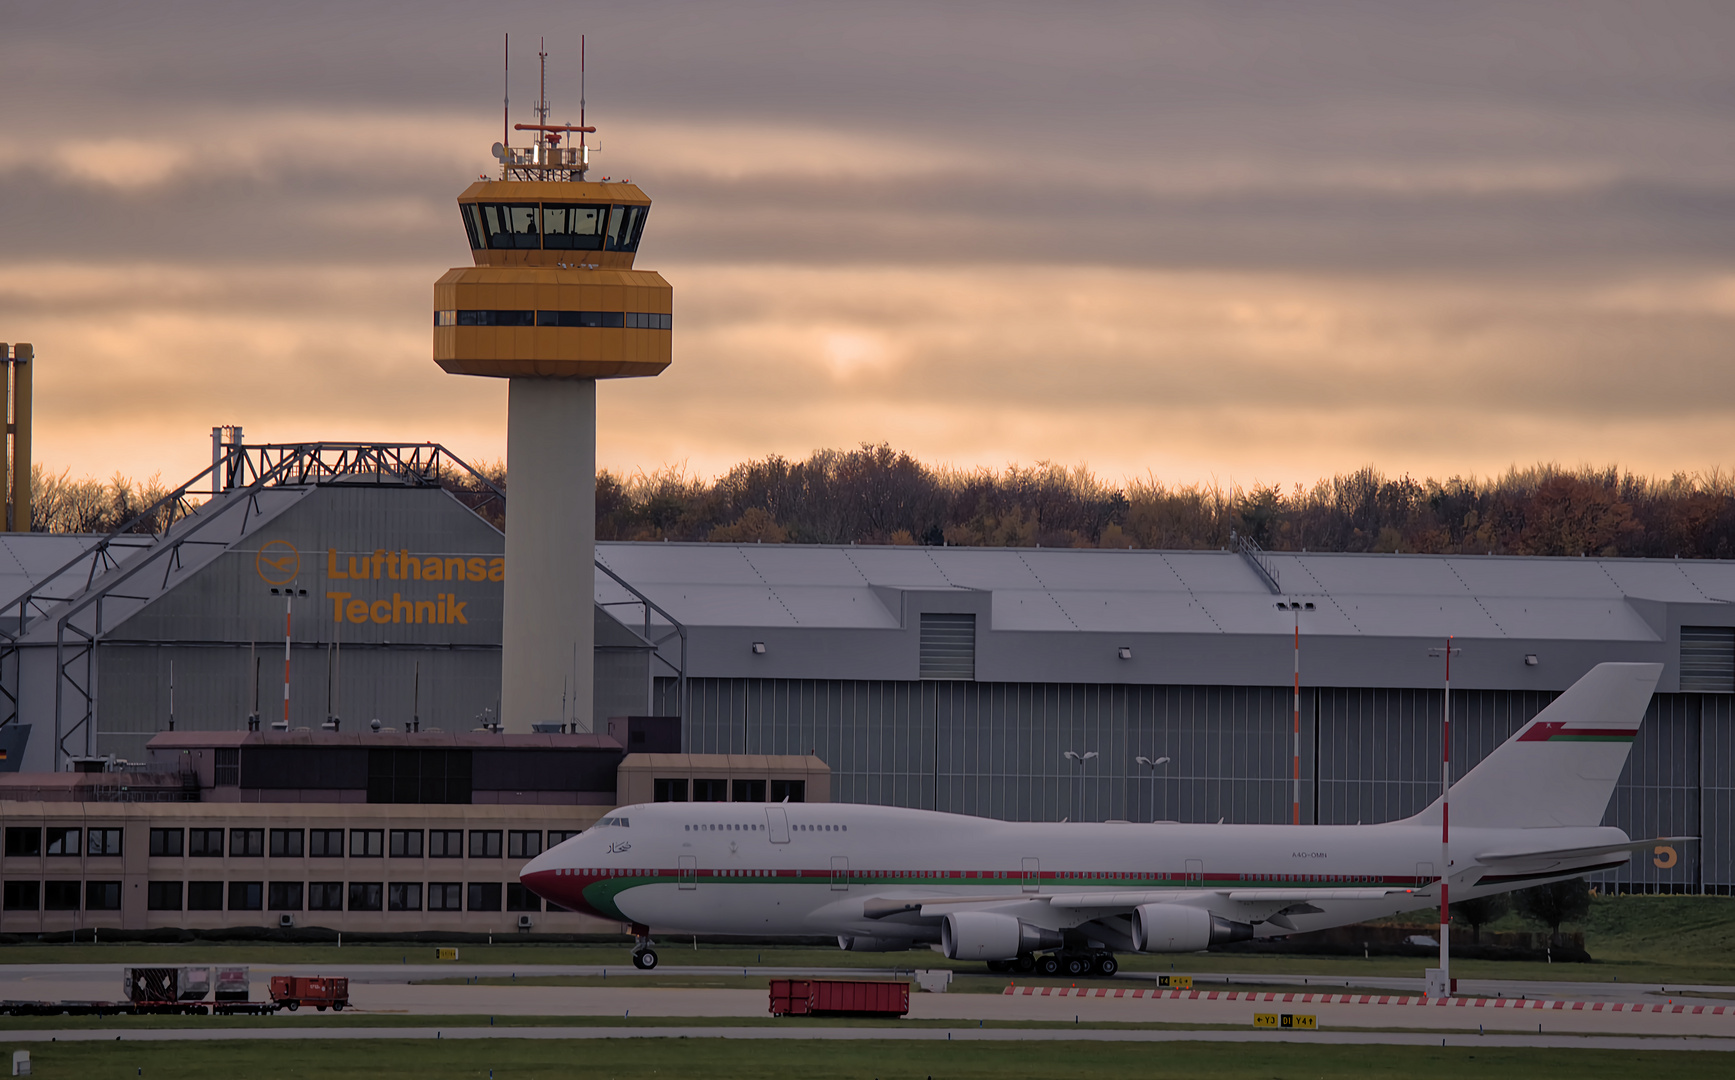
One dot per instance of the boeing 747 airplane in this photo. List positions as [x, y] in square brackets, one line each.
[1066, 897]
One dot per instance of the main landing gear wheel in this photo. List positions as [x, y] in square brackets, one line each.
[645, 959]
[1077, 965]
[1024, 963]
[1000, 967]
[1107, 965]
[1048, 965]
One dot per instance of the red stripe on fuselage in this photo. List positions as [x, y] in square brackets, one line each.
[1549, 729]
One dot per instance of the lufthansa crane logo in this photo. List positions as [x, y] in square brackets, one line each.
[277, 562]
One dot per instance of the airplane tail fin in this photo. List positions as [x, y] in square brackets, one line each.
[1561, 768]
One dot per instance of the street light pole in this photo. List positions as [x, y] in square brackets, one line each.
[1079, 759]
[1446, 820]
[1151, 764]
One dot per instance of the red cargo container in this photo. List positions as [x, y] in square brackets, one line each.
[825, 997]
[294, 991]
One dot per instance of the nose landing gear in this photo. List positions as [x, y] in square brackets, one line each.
[644, 956]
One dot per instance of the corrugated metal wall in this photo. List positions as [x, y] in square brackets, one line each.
[997, 750]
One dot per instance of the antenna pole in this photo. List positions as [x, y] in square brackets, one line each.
[506, 93]
[581, 88]
[542, 86]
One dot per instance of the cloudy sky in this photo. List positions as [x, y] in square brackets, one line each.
[1250, 241]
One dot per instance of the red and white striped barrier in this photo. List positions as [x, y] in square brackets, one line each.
[1368, 999]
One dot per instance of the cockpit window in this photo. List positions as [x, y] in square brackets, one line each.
[511, 225]
[625, 225]
[574, 228]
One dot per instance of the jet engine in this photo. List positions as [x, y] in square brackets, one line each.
[987, 935]
[1180, 928]
[862, 943]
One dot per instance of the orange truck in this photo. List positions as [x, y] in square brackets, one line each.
[293, 991]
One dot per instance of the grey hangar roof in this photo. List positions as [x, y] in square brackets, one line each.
[1188, 617]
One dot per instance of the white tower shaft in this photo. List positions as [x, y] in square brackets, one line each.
[549, 636]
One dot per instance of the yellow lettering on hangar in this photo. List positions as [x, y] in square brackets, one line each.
[407, 566]
[345, 607]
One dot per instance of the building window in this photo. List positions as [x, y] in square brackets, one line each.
[103, 842]
[520, 898]
[418, 776]
[485, 844]
[205, 843]
[404, 895]
[60, 895]
[227, 772]
[560, 836]
[246, 895]
[445, 896]
[670, 789]
[287, 843]
[367, 844]
[102, 896]
[749, 791]
[445, 843]
[523, 844]
[246, 842]
[788, 791]
[948, 646]
[204, 896]
[325, 896]
[484, 896]
[23, 841]
[284, 896]
[325, 843]
[1707, 659]
[407, 844]
[63, 841]
[169, 843]
[366, 895]
[163, 895]
[710, 791]
[21, 896]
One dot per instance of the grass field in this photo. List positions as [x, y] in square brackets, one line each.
[879, 1059]
[1647, 939]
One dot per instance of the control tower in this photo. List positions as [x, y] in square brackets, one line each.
[552, 304]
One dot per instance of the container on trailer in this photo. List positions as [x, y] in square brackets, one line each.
[151, 985]
[234, 983]
[193, 983]
[813, 997]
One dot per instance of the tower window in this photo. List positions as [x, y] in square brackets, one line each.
[511, 225]
[625, 226]
[570, 227]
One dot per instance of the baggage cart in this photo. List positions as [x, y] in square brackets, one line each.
[323, 991]
[838, 997]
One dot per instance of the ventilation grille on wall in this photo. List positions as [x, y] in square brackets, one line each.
[1708, 659]
[948, 646]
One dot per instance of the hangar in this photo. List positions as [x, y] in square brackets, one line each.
[948, 678]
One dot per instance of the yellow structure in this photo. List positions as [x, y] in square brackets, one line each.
[552, 304]
[553, 293]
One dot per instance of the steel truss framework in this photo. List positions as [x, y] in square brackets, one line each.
[194, 514]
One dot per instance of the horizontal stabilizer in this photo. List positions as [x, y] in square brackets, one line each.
[1563, 854]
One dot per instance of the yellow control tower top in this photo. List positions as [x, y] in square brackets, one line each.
[553, 292]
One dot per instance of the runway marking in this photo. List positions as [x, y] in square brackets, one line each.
[1372, 999]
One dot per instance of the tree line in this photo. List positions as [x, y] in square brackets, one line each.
[877, 495]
